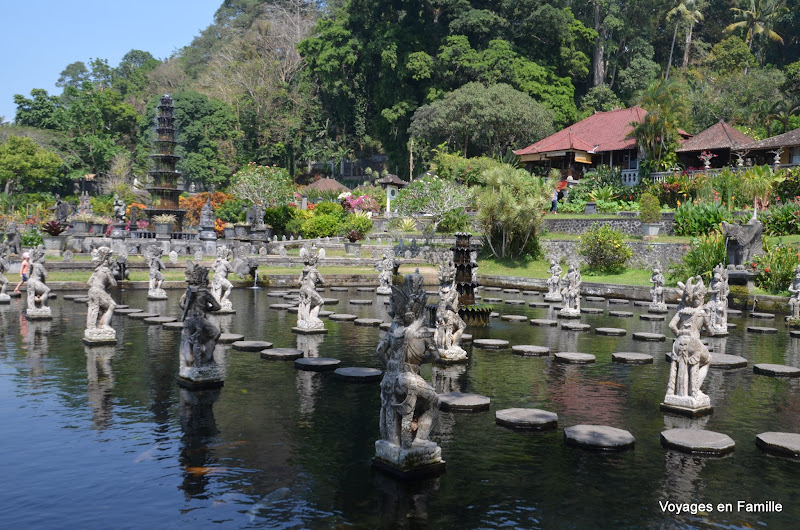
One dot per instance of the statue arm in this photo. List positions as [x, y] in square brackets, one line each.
[673, 324]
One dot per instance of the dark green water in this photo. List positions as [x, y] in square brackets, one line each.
[104, 438]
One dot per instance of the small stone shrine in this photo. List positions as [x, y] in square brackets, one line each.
[38, 291]
[310, 302]
[198, 367]
[717, 306]
[408, 402]
[384, 268]
[467, 282]
[449, 325]
[571, 293]
[153, 256]
[690, 359]
[220, 285]
[553, 283]
[101, 306]
[742, 242]
[657, 290]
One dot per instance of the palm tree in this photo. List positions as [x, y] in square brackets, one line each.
[782, 112]
[758, 18]
[687, 11]
[756, 183]
[657, 133]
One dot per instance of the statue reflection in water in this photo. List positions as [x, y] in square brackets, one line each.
[199, 429]
[308, 383]
[404, 503]
[37, 333]
[100, 383]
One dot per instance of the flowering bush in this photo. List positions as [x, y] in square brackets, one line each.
[359, 203]
[604, 249]
[775, 267]
[194, 204]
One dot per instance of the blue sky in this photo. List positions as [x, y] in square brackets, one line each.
[38, 38]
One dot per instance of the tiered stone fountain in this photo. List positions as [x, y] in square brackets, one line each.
[466, 283]
[164, 177]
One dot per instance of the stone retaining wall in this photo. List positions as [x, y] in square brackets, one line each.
[624, 223]
[645, 254]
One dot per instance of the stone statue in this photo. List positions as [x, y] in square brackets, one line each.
[4, 298]
[571, 293]
[220, 285]
[101, 305]
[384, 268]
[449, 325]
[207, 214]
[119, 209]
[717, 306]
[14, 238]
[690, 357]
[61, 210]
[743, 242]
[38, 291]
[86, 203]
[119, 267]
[408, 402]
[198, 368]
[153, 256]
[255, 216]
[657, 290]
[308, 320]
[553, 283]
[794, 300]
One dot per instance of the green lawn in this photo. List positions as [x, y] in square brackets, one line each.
[538, 269]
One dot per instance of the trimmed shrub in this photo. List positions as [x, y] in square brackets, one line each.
[321, 226]
[604, 249]
[649, 208]
[330, 208]
[357, 223]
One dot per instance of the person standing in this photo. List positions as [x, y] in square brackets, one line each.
[24, 270]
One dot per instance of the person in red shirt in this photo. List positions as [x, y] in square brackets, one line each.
[24, 269]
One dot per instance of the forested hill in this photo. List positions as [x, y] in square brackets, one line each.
[290, 82]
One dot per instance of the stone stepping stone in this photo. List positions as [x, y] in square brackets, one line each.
[641, 303]
[613, 332]
[592, 311]
[528, 419]
[620, 314]
[595, 299]
[652, 317]
[514, 318]
[543, 322]
[282, 354]
[339, 289]
[160, 320]
[574, 358]
[374, 322]
[511, 291]
[126, 310]
[762, 315]
[723, 360]
[515, 302]
[619, 301]
[657, 311]
[598, 437]
[649, 337]
[332, 301]
[779, 443]
[277, 294]
[539, 305]
[345, 317]
[386, 325]
[142, 315]
[530, 350]
[631, 358]
[68, 296]
[289, 296]
[761, 329]
[490, 344]
[493, 300]
[461, 402]
[227, 338]
[776, 370]
[575, 326]
[531, 293]
[494, 314]
[366, 289]
[81, 299]
[696, 441]
[734, 312]
[794, 334]
[466, 337]
[316, 364]
[731, 325]
[492, 289]
[361, 302]
[122, 306]
[323, 313]
[175, 326]
[251, 345]
[358, 374]
[281, 307]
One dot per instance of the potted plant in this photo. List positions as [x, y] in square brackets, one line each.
[53, 240]
[242, 229]
[229, 230]
[163, 223]
[80, 222]
[649, 215]
[99, 224]
[351, 243]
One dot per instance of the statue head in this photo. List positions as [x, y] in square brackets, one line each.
[37, 255]
[692, 293]
[196, 274]
[223, 252]
[101, 255]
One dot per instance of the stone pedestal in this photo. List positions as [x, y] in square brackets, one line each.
[688, 405]
[5, 299]
[201, 378]
[156, 294]
[226, 308]
[455, 354]
[553, 297]
[422, 460]
[384, 290]
[100, 337]
[309, 331]
[39, 313]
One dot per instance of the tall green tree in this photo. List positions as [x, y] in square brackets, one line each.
[686, 12]
[26, 166]
[758, 18]
[657, 134]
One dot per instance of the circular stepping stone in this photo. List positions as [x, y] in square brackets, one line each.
[734, 312]
[458, 401]
[289, 296]
[657, 311]
[539, 305]
[696, 441]
[592, 311]
[494, 314]
[598, 437]
[575, 326]
[69, 296]
[652, 318]
[282, 354]
[595, 299]
[515, 302]
[649, 337]
[641, 303]
[613, 332]
[543, 322]
[530, 350]
[776, 370]
[731, 325]
[761, 329]
[620, 314]
[277, 294]
[366, 289]
[511, 291]
[339, 289]
[332, 301]
[357, 374]
[342, 317]
[127, 311]
[142, 315]
[368, 322]
[531, 293]
[533, 419]
[80, 299]
[282, 307]
[618, 301]
[323, 313]
[631, 358]
[316, 364]
[723, 360]
[765, 316]
[361, 302]
[492, 300]
[574, 358]
[227, 338]
[492, 289]
[514, 318]
[122, 306]
[175, 326]
[160, 320]
[779, 443]
[386, 325]
[251, 345]
[490, 344]
[794, 334]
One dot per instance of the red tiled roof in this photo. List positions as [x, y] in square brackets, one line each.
[327, 184]
[788, 139]
[602, 131]
[718, 136]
